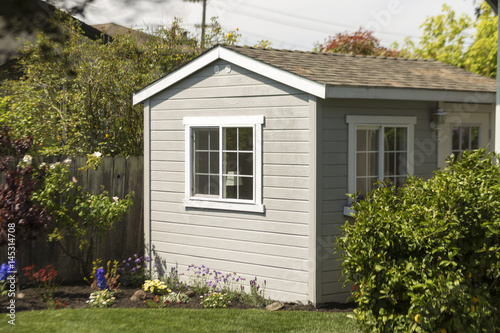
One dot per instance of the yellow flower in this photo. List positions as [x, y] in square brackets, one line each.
[107, 136]
[229, 35]
[472, 308]
[378, 255]
[442, 330]
[470, 275]
[418, 318]
[475, 299]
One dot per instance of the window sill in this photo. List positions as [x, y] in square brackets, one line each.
[348, 211]
[241, 207]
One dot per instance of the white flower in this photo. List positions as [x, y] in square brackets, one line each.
[74, 180]
[27, 159]
[67, 161]
[97, 154]
[116, 199]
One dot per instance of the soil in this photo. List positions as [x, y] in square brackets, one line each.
[76, 296]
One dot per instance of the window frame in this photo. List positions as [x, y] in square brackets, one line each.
[470, 125]
[212, 202]
[355, 121]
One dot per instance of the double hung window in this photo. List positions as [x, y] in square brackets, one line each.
[223, 162]
[380, 149]
[464, 138]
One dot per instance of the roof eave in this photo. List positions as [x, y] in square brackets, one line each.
[220, 52]
[411, 94]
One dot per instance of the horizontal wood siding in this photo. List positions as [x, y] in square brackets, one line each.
[272, 246]
[334, 168]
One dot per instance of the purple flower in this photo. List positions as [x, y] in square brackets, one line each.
[129, 259]
[135, 255]
[137, 260]
[127, 265]
[132, 270]
[3, 272]
[101, 279]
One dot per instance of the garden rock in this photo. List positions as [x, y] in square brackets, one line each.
[139, 295]
[190, 293]
[275, 306]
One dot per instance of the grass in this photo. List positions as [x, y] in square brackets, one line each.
[177, 320]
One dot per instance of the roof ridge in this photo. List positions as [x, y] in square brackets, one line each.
[332, 54]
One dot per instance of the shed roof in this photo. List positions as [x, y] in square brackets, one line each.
[339, 75]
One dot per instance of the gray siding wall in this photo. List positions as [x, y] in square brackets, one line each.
[333, 163]
[272, 246]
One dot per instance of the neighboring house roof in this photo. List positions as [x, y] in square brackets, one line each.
[343, 76]
[113, 29]
[493, 4]
[10, 42]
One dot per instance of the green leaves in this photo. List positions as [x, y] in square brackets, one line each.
[447, 37]
[427, 250]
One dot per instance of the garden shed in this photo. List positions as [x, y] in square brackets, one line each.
[249, 154]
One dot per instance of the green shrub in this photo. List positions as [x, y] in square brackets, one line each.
[426, 258]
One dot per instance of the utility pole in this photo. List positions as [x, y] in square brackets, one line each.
[203, 25]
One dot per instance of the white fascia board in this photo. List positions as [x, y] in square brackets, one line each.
[295, 81]
[312, 87]
[175, 76]
[409, 94]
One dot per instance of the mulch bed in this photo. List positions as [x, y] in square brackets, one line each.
[76, 296]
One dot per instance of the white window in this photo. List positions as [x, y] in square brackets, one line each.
[380, 148]
[224, 163]
[464, 137]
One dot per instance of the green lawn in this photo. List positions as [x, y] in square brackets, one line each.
[178, 320]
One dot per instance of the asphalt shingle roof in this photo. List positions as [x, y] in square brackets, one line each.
[369, 71]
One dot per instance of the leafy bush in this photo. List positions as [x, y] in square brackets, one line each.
[101, 299]
[215, 300]
[426, 258]
[43, 280]
[155, 287]
[134, 271]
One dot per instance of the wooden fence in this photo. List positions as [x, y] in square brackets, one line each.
[118, 175]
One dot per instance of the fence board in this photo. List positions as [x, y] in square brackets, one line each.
[119, 176]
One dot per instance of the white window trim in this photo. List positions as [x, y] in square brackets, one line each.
[354, 121]
[255, 205]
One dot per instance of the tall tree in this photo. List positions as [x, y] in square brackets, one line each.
[75, 96]
[361, 42]
[446, 38]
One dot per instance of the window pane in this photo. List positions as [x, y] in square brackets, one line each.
[389, 138]
[214, 185]
[361, 140]
[401, 164]
[230, 138]
[201, 185]
[372, 164]
[455, 134]
[464, 142]
[389, 164]
[245, 136]
[201, 139]
[372, 140]
[245, 188]
[361, 166]
[474, 138]
[230, 163]
[401, 138]
[214, 139]
[214, 162]
[229, 184]
[246, 164]
[201, 162]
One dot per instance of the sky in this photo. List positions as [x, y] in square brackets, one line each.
[288, 24]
